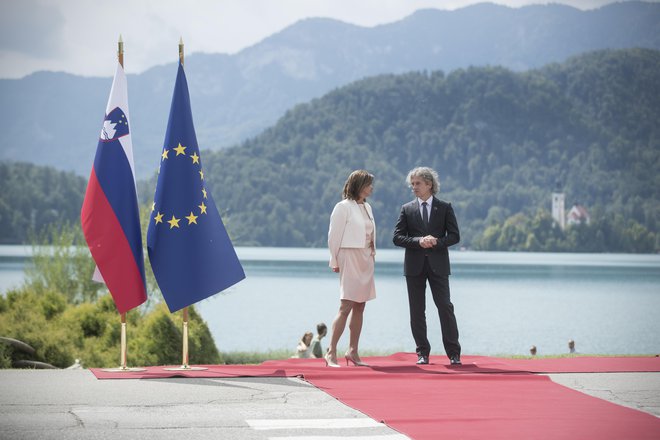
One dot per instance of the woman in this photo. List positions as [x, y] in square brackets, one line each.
[351, 239]
[303, 349]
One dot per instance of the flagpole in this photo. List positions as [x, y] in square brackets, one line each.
[122, 355]
[181, 50]
[184, 363]
[120, 51]
[122, 358]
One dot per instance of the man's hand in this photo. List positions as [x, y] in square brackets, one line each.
[428, 242]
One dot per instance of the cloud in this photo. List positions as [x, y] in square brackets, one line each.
[80, 36]
[31, 27]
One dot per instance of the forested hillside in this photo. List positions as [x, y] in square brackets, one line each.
[35, 196]
[501, 141]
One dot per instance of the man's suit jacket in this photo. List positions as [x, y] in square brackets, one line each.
[410, 228]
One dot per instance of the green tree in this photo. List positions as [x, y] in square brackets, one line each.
[502, 142]
[61, 263]
[65, 316]
[34, 197]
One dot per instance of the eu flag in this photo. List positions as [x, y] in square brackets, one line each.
[189, 249]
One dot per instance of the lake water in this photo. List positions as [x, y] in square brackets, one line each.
[504, 302]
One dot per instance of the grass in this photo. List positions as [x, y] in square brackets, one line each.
[253, 357]
[571, 355]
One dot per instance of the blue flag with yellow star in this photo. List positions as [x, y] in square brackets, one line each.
[189, 249]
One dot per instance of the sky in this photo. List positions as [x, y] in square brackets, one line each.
[80, 36]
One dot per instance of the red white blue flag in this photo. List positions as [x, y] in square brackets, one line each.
[110, 215]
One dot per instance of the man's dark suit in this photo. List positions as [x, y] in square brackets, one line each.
[430, 264]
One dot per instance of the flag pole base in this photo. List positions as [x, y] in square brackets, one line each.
[184, 363]
[185, 368]
[122, 370]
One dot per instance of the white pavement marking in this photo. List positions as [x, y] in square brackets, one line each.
[264, 424]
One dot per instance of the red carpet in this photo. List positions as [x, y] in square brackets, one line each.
[486, 398]
[405, 363]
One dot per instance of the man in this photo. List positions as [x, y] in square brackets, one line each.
[426, 228]
[321, 331]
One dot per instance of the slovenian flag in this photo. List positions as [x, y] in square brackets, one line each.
[110, 214]
[190, 251]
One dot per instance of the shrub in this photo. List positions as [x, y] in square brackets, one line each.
[5, 355]
[26, 319]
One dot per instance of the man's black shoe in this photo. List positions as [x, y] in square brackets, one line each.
[422, 360]
[455, 360]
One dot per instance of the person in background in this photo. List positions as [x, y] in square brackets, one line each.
[316, 349]
[351, 240]
[571, 346]
[303, 349]
[426, 228]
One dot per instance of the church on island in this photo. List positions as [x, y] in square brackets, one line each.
[578, 214]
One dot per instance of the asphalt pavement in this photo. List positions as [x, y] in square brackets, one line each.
[73, 404]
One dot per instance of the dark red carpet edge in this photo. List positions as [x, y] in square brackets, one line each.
[486, 398]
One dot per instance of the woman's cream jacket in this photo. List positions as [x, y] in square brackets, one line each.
[348, 228]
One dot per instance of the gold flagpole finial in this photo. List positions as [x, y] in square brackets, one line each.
[120, 51]
[181, 50]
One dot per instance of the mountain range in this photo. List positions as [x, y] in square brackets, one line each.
[54, 118]
[502, 141]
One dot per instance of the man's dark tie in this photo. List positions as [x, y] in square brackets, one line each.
[425, 214]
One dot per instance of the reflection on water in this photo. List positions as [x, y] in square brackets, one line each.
[505, 302]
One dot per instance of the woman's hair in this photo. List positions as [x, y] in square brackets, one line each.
[355, 182]
[309, 335]
[428, 175]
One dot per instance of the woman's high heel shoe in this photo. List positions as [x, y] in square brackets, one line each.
[329, 362]
[350, 357]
